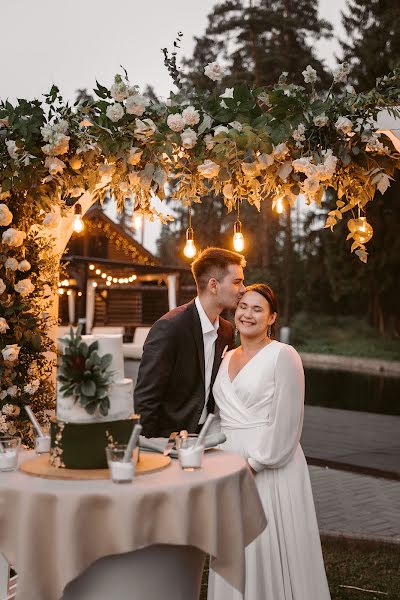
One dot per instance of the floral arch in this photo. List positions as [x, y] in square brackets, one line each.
[256, 145]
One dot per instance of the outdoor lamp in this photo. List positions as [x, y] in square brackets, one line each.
[238, 239]
[78, 225]
[190, 249]
[360, 228]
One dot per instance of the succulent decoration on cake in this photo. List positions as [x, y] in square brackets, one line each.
[84, 374]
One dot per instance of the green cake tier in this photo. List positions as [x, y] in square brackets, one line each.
[83, 445]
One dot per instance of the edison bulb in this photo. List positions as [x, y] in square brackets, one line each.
[78, 225]
[363, 232]
[238, 241]
[279, 205]
[190, 249]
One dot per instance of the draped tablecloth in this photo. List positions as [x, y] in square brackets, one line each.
[52, 530]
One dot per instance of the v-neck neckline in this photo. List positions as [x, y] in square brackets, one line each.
[248, 362]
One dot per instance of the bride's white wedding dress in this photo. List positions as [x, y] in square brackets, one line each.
[261, 414]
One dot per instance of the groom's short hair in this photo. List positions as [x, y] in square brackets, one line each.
[214, 262]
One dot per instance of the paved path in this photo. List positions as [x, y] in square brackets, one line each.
[356, 505]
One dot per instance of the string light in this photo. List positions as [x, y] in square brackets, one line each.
[137, 221]
[238, 239]
[91, 267]
[190, 249]
[278, 205]
[61, 291]
[360, 228]
[78, 224]
[69, 292]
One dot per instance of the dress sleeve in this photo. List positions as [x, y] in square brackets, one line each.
[282, 435]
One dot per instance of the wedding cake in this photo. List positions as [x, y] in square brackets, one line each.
[99, 412]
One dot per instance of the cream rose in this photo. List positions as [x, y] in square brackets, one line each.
[11, 410]
[52, 220]
[11, 263]
[6, 215]
[189, 138]
[13, 237]
[24, 265]
[176, 122]
[11, 352]
[24, 287]
[136, 105]
[3, 325]
[32, 387]
[344, 125]
[12, 391]
[119, 91]
[191, 116]
[209, 141]
[209, 169]
[115, 112]
[2, 287]
[213, 71]
[311, 185]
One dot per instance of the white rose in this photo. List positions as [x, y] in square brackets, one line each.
[304, 165]
[321, 120]
[11, 410]
[236, 125]
[115, 112]
[54, 165]
[341, 73]
[6, 215]
[136, 105]
[176, 122]
[24, 265]
[209, 141]
[2, 287]
[3, 325]
[10, 352]
[12, 149]
[47, 133]
[24, 287]
[13, 237]
[32, 387]
[52, 220]
[119, 91]
[189, 138]
[208, 169]
[191, 116]
[3, 424]
[220, 129]
[344, 125]
[12, 391]
[311, 185]
[309, 74]
[299, 133]
[135, 156]
[11, 263]
[213, 71]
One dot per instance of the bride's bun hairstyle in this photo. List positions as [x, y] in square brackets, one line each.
[268, 293]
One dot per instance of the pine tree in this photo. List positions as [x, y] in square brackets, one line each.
[373, 47]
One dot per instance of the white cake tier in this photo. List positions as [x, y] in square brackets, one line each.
[121, 405]
[110, 344]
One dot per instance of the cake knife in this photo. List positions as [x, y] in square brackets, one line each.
[171, 442]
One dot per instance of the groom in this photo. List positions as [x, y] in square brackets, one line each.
[184, 348]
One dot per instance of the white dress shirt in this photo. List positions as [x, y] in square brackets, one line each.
[210, 334]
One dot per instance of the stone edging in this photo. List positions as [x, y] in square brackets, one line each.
[373, 366]
[359, 537]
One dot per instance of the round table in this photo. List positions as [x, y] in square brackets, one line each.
[155, 531]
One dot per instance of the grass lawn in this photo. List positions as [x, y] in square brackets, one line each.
[342, 335]
[365, 565]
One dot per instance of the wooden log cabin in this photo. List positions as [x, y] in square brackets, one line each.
[111, 280]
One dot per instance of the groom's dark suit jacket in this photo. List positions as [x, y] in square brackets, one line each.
[170, 393]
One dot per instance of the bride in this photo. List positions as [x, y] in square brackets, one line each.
[259, 393]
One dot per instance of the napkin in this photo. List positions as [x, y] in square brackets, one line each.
[159, 444]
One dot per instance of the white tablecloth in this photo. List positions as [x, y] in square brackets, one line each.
[52, 530]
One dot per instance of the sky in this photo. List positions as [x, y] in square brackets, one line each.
[75, 42]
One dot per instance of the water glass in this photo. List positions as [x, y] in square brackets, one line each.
[9, 450]
[42, 444]
[120, 471]
[190, 454]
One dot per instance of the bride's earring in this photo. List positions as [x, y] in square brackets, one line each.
[269, 331]
[236, 332]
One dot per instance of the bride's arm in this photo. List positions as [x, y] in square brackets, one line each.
[282, 435]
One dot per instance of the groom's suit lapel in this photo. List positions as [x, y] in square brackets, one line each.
[198, 335]
[220, 344]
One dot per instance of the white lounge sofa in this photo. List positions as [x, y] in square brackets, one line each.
[134, 350]
[108, 330]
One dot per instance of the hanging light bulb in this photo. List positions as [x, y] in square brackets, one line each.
[279, 205]
[137, 221]
[78, 224]
[238, 239]
[190, 249]
[360, 228]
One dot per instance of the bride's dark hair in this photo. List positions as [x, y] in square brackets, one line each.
[268, 293]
